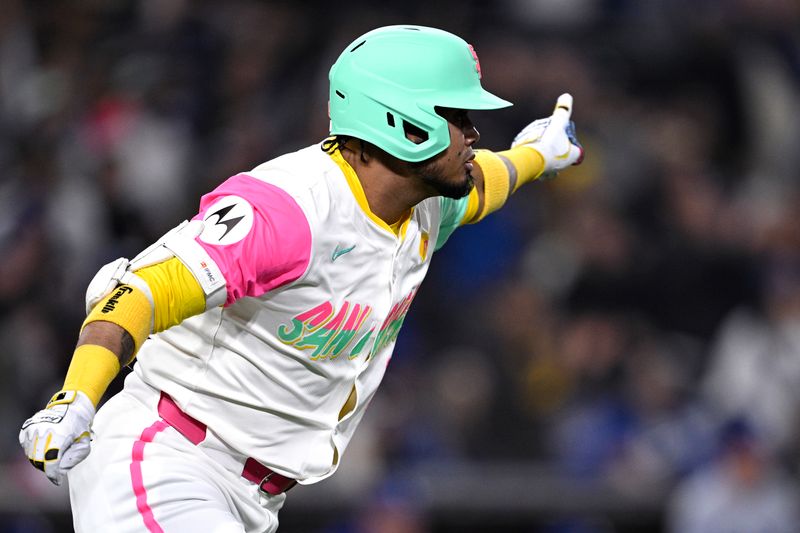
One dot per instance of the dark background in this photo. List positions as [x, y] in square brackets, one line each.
[617, 350]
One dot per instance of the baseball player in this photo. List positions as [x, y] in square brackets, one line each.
[263, 327]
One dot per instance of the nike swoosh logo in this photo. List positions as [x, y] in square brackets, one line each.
[338, 252]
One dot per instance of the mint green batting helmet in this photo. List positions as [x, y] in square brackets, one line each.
[398, 74]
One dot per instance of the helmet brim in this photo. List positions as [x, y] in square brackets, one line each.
[471, 100]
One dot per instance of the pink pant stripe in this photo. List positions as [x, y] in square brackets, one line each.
[137, 456]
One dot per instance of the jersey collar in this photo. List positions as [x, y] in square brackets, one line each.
[399, 228]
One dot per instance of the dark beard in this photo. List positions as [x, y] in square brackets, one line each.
[433, 177]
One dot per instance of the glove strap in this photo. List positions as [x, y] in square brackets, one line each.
[62, 397]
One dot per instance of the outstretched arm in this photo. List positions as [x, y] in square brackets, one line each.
[542, 148]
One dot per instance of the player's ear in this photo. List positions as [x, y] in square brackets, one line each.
[364, 152]
[414, 134]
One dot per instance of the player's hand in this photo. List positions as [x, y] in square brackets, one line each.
[58, 437]
[554, 138]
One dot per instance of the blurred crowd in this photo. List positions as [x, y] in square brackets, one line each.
[635, 320]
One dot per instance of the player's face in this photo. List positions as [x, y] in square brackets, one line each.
[450, 172]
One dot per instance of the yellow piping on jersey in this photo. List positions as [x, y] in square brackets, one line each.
[398, 228]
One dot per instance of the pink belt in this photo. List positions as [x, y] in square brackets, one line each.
[195, 431]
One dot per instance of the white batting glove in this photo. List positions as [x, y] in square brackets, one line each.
[58, 437]
[554, 138]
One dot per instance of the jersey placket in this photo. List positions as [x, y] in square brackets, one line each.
[393, 286]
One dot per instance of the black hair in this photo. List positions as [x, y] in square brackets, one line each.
[333, 143]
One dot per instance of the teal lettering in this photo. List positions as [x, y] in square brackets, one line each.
[360, 344]
[339, 343]
[317, 340]
[290, 336]
[315, 317]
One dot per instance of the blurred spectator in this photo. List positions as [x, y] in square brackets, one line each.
[744, 490]
[391, 515]
[755, 365]
[591, 430]
[630, 421]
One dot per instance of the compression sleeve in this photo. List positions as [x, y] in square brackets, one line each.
[518, 165]
[528, 163]
[93, 366]
[176, 296]
[91, 371]
[176, 293]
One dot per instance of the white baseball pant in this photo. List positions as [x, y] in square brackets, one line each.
[144, 476]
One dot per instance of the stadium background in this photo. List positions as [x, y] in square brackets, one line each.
[618, 350]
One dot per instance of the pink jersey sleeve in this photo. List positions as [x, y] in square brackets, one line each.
[256, 233]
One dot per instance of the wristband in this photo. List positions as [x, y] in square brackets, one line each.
[91, 371]
[129, 308]
[528, 161]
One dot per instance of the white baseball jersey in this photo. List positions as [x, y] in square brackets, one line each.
[317, 290]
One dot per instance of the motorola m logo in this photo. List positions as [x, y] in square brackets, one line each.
[229, 224]
[229, 220]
